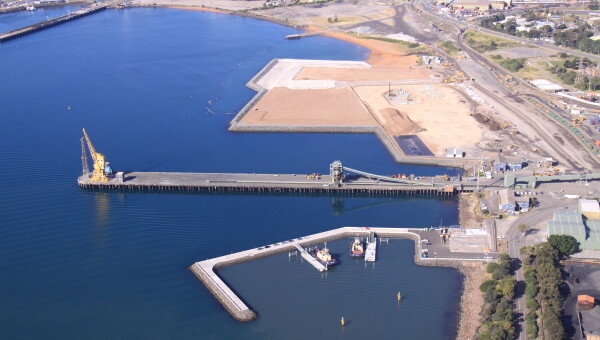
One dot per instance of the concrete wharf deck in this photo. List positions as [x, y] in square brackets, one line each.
[53, 22]
[371, 252]
[291, 183]
[206, 270]
[310, 259]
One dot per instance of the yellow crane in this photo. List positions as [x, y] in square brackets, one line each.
[102, 169]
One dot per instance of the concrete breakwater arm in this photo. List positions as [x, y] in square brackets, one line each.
[205, 271]
[230, 301]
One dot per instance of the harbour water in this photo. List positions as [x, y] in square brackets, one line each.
[80, 264]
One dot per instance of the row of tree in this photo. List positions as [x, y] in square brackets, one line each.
[543, 283]
[568, 75]
[499, 292]
[578, 38]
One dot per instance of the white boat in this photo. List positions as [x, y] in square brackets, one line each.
[30, 8]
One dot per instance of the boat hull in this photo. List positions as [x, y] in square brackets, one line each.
[331, 262]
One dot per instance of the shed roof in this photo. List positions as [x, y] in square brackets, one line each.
[589, 205]
[593, 241]
[567, 223]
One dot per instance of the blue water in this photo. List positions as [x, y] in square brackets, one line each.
[80, 264]
[14, 20]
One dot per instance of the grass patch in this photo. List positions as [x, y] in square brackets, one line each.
[448, 47]
[405, 46]
[530, 73]
[513, 65]
[482, 42]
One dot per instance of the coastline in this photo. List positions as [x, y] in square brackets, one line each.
[202, 9]
[471, 300]
[383, 53]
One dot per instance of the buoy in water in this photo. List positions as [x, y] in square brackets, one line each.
[399, 296]
[342, 321]
[68, 107]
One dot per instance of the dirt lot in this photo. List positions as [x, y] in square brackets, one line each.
[282, 106]
[522, 52]
[370, 74]
[232, 5]
[441, 121]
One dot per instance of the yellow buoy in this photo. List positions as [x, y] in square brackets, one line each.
[342, 321]
[399, 296]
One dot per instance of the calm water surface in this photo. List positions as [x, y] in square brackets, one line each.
[94, 265]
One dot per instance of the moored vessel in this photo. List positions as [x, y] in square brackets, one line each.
[325, 257]
[357, 248]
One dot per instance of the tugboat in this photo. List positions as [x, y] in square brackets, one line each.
[356, 248]
[324, 257]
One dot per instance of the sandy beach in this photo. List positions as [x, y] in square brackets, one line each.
[382, 53]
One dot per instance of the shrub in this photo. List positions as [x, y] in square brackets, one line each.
[488, 285]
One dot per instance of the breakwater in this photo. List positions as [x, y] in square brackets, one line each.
[206, 271]
[52, 22]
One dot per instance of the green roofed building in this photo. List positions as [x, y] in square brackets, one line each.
[567, 223]
[585, 231]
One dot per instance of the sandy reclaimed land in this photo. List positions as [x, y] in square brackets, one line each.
[202, 9]
[442, 120]
[232, 5]
[283, 106]
[370, 74]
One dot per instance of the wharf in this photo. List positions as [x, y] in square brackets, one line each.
[371, 252]
[205, 271]
[52, 22]
[289, 183]
[310, 259]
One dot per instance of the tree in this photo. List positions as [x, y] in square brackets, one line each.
[491, 267]
[565, 244]
[507, 287]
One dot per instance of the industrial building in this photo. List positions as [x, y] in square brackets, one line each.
[547, 86]
[583, 225]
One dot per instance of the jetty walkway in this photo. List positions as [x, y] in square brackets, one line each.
[310, 259]
[339, 181]
[206, 271]
[55, 21]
